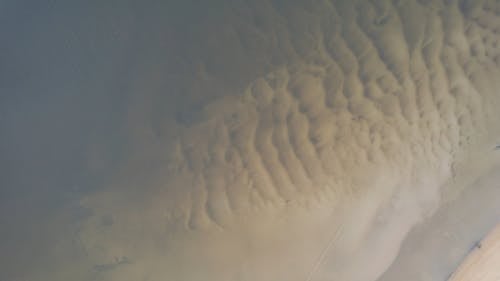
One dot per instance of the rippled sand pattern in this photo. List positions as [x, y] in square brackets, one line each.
[280, 140]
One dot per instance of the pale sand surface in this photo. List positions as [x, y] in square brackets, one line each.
[435, 248]
[483, 264]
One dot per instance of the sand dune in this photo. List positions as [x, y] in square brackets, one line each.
[276, 141]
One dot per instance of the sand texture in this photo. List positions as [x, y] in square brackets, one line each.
[246, 140]
[482, 263]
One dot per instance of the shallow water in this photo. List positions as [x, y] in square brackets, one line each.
[247, 140]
